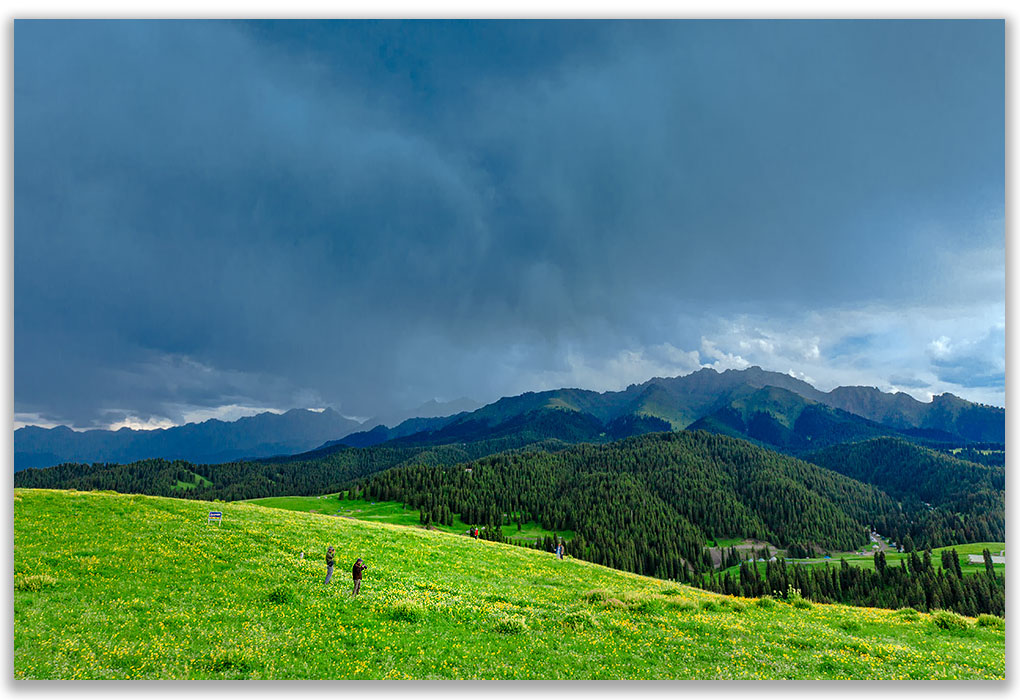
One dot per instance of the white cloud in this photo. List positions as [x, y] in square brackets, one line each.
[801, 376]
[135, 423]
[919, 350]
[941, 346]
[616, 372]
[227, 413]
[723, 360]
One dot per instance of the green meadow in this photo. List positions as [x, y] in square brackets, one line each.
[894, 559]
[126, 586]
[393, 512]
[724, 542]
[193, 483]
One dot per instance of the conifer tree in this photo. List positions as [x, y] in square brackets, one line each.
[989, 566]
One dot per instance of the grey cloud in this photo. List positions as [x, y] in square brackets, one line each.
[206, 216]
[907, 381]
[970, 363]
[971, 372]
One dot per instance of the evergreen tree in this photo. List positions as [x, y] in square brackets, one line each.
[989, 565]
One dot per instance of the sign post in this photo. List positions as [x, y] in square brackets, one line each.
[215, 516]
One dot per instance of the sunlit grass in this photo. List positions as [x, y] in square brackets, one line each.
[143, 587]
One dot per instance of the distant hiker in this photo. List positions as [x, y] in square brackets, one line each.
[356, 575]
[559, 550]
[329, 563]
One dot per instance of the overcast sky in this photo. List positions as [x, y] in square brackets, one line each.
[217, 218]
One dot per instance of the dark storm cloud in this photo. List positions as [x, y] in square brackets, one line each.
[368, 215]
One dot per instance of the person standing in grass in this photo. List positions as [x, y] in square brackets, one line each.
[356, 574]
[329, 563]
[559, 550]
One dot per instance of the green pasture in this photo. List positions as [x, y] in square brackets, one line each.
[894, 559]
[392, 512]
[724, 542]
[196, 481]
[972, 548]
[532, 530]
[126, 586]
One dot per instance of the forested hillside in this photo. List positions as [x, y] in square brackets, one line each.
[946, 500]
[316, 472]
[645, 504]
[648, 504]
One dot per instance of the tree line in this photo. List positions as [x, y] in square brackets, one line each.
[914, 583]
[325, 471]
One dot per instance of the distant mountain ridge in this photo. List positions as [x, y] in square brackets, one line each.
[432, 408]
[770, 408]
[787, 421]
[208, 442]
[946, 413]
[431, 415]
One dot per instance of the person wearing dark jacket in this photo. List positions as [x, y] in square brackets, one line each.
[329, 563]
[356, 575]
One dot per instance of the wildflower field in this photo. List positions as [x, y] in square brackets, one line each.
[118, 586]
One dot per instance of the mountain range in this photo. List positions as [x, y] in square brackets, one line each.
[768, 408]
[558, 454]
[208, 442]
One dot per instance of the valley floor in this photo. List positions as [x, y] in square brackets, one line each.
[116, 586]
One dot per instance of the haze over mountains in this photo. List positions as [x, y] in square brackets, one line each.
[769, 408]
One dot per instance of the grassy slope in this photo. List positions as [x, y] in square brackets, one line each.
[389, 512]
[196, 481]
[144, 588]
